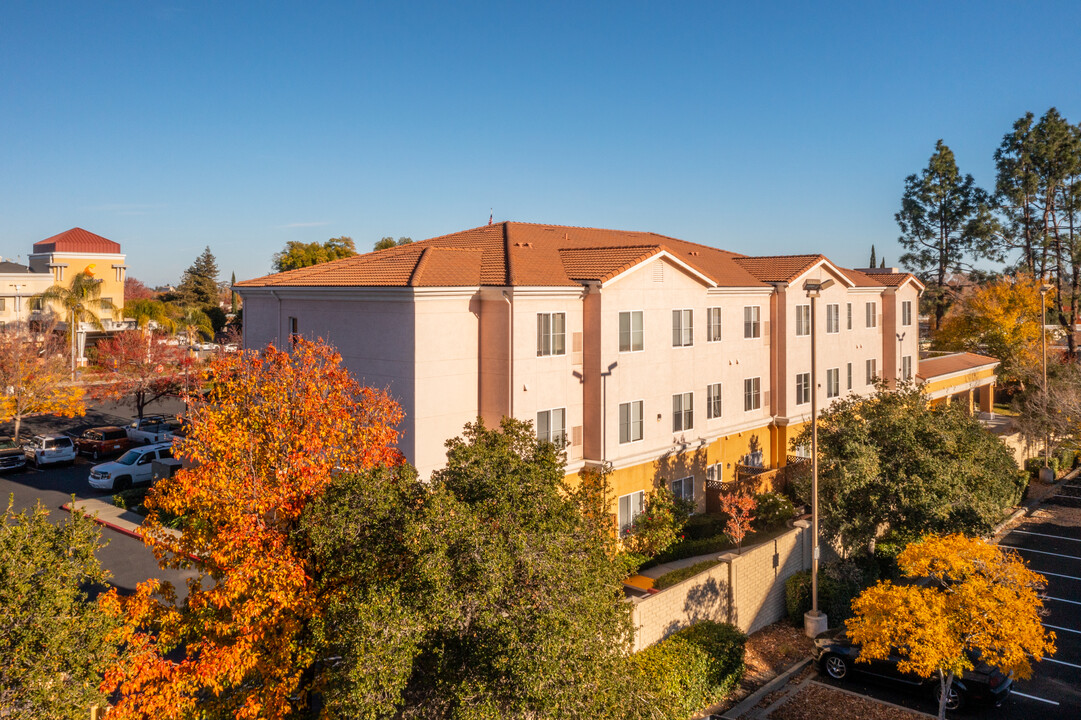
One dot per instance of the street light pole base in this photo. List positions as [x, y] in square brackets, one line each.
[1047, 475]
[814, 623]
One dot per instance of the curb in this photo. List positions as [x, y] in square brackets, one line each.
[749, 702]
[105, 523]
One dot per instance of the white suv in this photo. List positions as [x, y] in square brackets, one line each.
[49, 450]
[133, 467]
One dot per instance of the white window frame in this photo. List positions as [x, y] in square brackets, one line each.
[683, 327]
[871, 370]
[714, 401]
[713, 324]
[833, 318]
[752, 394]
[681, 486]
[803, 388]
[833, 382]
[682, 412]
[549, 342]
[906, 367]
[906, 313]
[631, 423]
[631, 335]
[558, 439]
[629, 507]
[803, 320]
[752, 322]
[870, 311]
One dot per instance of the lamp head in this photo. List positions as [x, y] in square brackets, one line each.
[814, 287]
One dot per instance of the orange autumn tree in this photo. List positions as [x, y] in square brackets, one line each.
[265, 441]
[34, 377]
[738, 507]
[981, 601]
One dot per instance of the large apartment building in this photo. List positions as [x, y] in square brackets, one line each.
[667, 360]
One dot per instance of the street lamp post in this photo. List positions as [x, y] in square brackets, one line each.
[1046, 475]
[900, 357]
[814, 622]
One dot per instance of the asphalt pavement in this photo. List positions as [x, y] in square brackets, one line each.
[129, 561]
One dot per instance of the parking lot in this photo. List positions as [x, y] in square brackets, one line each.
[129, 561]
[1049, 540]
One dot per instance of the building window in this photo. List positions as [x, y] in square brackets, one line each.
[630, 507]
[630, 331]
[871, 311]
[906, 367]
[713, 324]
[752, 321]
[551, 334]
[106, 303]
[833, 382]
[753, 459]
[630, 422]
[682, 412]
[682, 328]
[849, 316]
[713, 401]
[849, 376]
[752, 394]
[683, 488]
[872, 371]
[714, 473]
[3, 304]
[294, 332]
[906, 312]
[803, 388]
[803, 320]
[833, 318]
[552, 426]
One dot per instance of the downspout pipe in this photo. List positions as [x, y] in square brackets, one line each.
[274, 294]
[510, 354]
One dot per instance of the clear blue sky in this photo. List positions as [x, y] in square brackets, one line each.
[763, 128]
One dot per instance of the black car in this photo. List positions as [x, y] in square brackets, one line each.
[11, 455]
[836, 655]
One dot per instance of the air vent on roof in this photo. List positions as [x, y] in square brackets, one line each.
[658, 271]
[693, 252]
[523, 244]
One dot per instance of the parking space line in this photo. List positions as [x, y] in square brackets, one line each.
[1048, 597]
[1057, 537]
[1033, 697]
[1062, 662]
[1056, 627]
[1060, 575]
[1043, 552]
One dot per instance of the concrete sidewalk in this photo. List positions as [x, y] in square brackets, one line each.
[112, 517]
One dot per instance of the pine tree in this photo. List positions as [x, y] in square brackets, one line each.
[199, 285]
[872, 263]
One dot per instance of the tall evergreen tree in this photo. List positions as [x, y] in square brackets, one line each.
[872, 262]
[199, 285]
[946, 223]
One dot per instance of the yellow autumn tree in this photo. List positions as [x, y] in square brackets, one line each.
[34, 377]
[972, 599]
[1001, 319]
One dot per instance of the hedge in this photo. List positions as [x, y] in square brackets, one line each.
[691, 669]
[677, 576]
[838, 584]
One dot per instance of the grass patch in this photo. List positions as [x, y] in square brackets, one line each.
[1005, 409]
[677, 576]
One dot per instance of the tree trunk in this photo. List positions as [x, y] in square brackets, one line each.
[18, 424]
[944, 684]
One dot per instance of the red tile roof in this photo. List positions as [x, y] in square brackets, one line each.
[77, 240]
[933, 367]
[778, 268]
[511, 253]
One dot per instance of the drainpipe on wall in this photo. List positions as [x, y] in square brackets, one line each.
[274, 294]
[510, 354]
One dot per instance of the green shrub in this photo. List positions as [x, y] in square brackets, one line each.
[631, 562]
[706, 525]
[1066, 458]
[677, 576]
[1033, 465]
[659, 524]
[838, 584]
[691, 669]
[131, 499]
[772, 510]
[690, 548]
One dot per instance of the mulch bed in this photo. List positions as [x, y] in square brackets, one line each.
[776, 647]
[819, 702]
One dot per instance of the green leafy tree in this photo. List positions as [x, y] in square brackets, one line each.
[144, 312]
[195, 324]
[892, 460]
[199, 285]
[946, 222]
[54, 640]
[299, 255]
[389, 242]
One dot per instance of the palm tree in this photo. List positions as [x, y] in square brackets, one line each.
[81, 302]
[144, 312]
[195, 323]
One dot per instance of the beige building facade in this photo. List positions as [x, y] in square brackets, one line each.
[667, 361]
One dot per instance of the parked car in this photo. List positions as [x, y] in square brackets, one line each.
[11, 455]
[49, 450]
[134, 467]
[100, 441]
[151, 429]
[836, 655]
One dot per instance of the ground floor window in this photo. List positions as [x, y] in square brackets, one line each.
[630, 507]
[683, 488]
